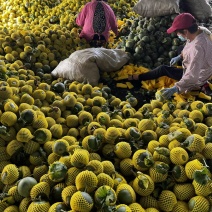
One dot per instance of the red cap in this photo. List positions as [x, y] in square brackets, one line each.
[182, 21]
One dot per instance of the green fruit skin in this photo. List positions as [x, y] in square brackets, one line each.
[25, 185]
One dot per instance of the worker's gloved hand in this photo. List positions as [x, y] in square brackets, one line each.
[174, 60]
[168, 92]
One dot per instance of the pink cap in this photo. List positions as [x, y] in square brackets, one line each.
[182, 21]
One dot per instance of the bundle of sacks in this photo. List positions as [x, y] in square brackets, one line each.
[84, 65]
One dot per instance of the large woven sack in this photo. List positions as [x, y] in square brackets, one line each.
[200, 9]
[154, 8]
[85, 65]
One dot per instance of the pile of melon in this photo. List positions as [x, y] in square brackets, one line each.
[68, 146]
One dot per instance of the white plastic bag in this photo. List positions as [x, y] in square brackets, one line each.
[200, 9]
[72, 70]
[84, 65]
[154, 8]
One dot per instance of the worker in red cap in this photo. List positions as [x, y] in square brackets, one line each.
[196, 58]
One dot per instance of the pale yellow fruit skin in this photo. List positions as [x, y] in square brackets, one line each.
[184, 191]
[202, 190]
[179, 156]
[198, 203]
[167, 200]
[9, 174]
[86, 180]
[79, 203]
[192, 166]
[143, 191]
[123, 150]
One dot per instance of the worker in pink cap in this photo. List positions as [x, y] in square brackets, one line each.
[196, 58]
[97, 19]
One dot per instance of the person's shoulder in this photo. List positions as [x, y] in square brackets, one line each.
[203, 38]
[201, 42]
[89, 3]
[205, 30]
[106, 5]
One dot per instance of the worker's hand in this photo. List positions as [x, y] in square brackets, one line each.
[168, 92]
[174, 60]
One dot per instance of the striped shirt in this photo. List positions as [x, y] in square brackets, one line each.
[197, 63]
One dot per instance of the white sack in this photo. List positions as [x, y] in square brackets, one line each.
[154, 8]
[84, 65]
[200, 9]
